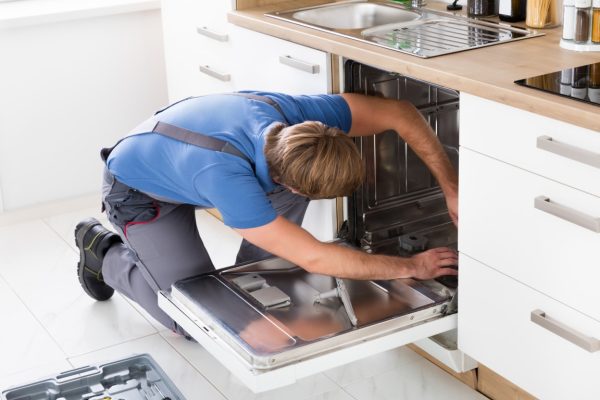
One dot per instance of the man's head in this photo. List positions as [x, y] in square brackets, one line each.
[313, 159]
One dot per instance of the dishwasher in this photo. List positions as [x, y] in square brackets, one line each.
[271, 323]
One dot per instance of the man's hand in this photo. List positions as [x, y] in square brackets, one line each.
[434, 263]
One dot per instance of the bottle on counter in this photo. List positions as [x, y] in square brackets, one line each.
[569, 14]
[596, 22]
[480, 8]
[582, 20]
[512, 10]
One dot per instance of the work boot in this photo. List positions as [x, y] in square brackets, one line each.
[93, 241]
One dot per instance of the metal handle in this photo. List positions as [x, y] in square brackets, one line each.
[205, 69]
[299, 64]
[568, 151]
[588, 343]
[221, 37]
[544, 204]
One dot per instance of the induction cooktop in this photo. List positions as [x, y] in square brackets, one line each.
[579, 83]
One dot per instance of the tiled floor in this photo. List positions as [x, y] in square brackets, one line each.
[49, 325]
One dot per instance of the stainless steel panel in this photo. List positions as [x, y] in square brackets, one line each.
[399, 194]
[415, 31]
[268, 338]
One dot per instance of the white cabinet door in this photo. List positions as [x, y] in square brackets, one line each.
[495, 327]
[266, 63]
[197, 49]
[545, 146]
[530, 228]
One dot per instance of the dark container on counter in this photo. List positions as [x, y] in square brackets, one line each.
[481, 8]
[512, 10]
[582, 20]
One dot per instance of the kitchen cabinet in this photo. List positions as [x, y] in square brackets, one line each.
[197, 47]
[263, 62]
[528, 238]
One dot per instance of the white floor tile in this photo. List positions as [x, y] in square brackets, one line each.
[41, 267]
[420, 380]
[221, 242]
[339, 394]
[372, 366]
[187, 379]
[64, 224]
[24, 343]
[230, 386]
[34, 374]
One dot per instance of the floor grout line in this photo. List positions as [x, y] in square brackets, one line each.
[190, 362]
[35, 317]
[112, 345]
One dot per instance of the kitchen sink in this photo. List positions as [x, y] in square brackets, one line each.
[419, 32]
[359, 15]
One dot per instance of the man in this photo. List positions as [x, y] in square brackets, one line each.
[258, 158]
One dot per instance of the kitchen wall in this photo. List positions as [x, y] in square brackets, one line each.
[68, 88]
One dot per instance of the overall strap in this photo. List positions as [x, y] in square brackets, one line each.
[194, 138]
[263, 99]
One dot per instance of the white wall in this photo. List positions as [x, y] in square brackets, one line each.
[66, 90]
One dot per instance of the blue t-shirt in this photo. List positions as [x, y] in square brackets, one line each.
[179, 172]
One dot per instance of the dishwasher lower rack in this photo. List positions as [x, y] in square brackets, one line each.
[269, 346]
[134, 378]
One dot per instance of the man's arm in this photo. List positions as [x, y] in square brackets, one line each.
[291, 242]
[372, 115]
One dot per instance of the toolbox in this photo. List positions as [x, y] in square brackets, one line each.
[271, 323]
[135, 378]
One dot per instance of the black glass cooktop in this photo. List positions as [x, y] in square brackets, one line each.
[579, 83]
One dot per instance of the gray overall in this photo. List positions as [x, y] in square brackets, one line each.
[161, 243]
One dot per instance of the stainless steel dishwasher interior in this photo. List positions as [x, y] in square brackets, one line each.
[417, 31]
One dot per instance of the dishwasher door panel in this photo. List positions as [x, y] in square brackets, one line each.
[269, 347]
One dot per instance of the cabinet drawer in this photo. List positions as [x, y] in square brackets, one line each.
[502, 226]
[548, 147]
[495, 327]
[271, 64]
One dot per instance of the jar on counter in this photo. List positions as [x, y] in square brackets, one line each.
[569, 14]
[582, 20]
[543, 13]
[596, 22]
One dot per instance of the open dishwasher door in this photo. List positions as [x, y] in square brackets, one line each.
[272, 323]
[262, 320]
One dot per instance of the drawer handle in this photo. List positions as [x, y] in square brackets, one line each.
[588, 343]
[204, 31]
[205, 69]
[544, 204]
[568, 151]
[299, 64]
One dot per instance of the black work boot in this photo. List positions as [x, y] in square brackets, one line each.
[93, 241]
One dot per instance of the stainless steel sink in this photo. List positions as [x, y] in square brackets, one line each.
[417, 31]
[358, 15]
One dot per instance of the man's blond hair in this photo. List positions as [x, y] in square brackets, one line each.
[316, 160]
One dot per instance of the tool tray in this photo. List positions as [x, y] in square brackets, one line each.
[135, 378]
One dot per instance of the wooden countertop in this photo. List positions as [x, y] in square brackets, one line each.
[485, 72]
